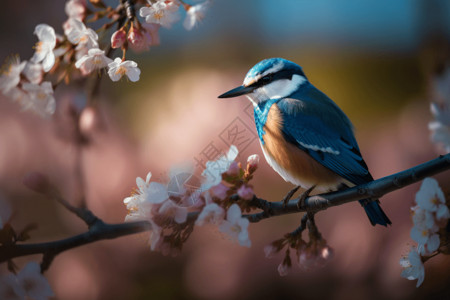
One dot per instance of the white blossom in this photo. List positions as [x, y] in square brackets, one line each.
[428, 216]
[78, 34]
[75, 9]
[440, 108]
[34, 283]
[424, 230]
[40, 98]
[28, 284]
[172, 210]
[94, 60]
[20, 96]
[236, 226]
[118, 68]
[214, 169]
[430, 195]
[10, 77]
[210, 214]
[161, 12]
[44, 48]
[440, 134]
[33, 72]
[423, 218]
[195, 14]
[142, 204]
[413, 267]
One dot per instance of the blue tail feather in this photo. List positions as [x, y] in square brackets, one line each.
[375, 213]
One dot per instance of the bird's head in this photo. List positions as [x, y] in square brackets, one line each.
[271, 78]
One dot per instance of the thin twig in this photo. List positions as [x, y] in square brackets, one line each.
[100, 231]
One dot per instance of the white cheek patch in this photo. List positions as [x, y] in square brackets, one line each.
[283, 87]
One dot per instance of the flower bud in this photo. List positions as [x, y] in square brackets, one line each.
[89, 121]
[137, 41]
[283, 269]
[118, 38]
[270, 251]
[252, 162]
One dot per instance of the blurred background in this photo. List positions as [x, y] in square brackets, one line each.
[373, 58]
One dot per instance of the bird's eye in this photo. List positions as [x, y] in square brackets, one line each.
[266, 79]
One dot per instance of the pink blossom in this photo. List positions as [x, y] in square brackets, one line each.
[151, 31]
[118, 38]
[245, 192]
[234, 169]
[220, 191]
[138, 41]
[283, 269]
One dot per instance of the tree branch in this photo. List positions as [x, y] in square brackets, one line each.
[99, 231]
[375, 189]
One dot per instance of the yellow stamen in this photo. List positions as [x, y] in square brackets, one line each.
[97, 61]
[41, 96]
[435, 200]
[39, 47]
[158, 15]
[121, 71]
[83, 39]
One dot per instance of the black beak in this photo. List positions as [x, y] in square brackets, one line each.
[240, 90]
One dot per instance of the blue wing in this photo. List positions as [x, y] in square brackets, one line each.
[312, 122]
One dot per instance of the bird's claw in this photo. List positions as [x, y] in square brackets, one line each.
[289, 196]
[303, 196]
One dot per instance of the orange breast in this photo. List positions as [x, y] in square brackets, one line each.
[290, 162]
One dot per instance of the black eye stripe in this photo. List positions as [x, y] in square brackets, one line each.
[284, 74]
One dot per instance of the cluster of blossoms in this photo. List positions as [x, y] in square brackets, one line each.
[440, 108]
[29, 283]
[223, 196]
[430, 217]
[27, 82]
[173, 217]
[309, 255]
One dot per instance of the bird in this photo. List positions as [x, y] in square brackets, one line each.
[305, 137]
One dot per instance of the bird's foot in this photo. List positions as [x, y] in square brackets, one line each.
[289, 196]
[303, 196]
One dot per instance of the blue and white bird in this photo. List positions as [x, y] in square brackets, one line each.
[304, 135]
